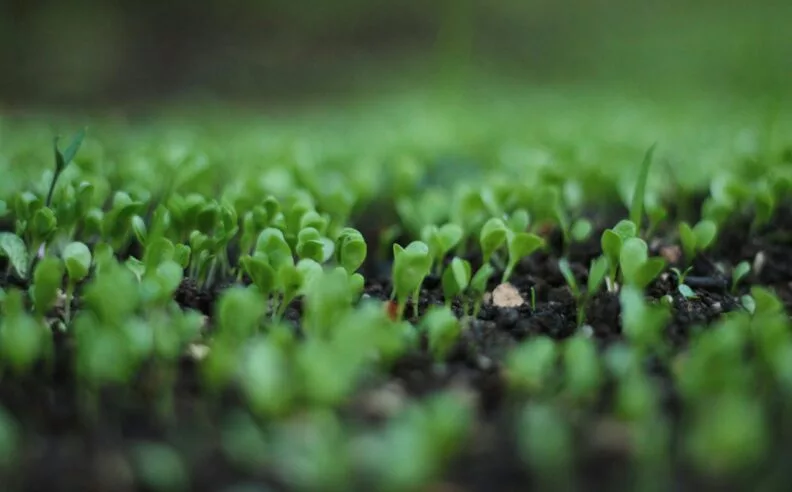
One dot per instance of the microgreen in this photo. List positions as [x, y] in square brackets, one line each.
[410, 266]
[478, 285]
[638, 198]
[530, 365]
[546, 444]
[13, 248]
[740, 272]
[23, 339]
[47, 279]
[697, 238]
[443, 330]
[441, 240]
[492, 237]
[637, 268]
[456, 279]
[77, 259]
[351, 249]
[582, 371]
[597, 272]
[63, 159]
[642, 324]
[520, 245]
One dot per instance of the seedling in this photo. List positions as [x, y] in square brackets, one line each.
[350, 249]
[637, 203]
[520, 245]
[443, 329]
[530, 365]
[410, 266]
[697, 238]
[740, 272]
[77, 258]
[642, 324]
[47, 280]
[456, 279]
[612, 241]
[546, 445]
[478, 286]
[441, 240]
[13, 248]
[63, 159]
[637, 268]
[492, 237]
[582, 372]
[597, 273]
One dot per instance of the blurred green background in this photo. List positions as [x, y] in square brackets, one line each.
[114, 53]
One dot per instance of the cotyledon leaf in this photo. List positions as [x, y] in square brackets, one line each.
[13, 247]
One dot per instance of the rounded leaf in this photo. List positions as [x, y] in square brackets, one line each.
[77, 258]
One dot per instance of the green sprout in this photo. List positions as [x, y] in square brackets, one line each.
[63, 159]
[597, 272]
[546, 445]
[582, 372]
[740, 272]
[350, 249]
[23, 338]
[443, 329]
[642, 324]
[77, 258]
[441, 240]
[13, 248]
[638, 198]
[410, 266]
[47, 279]
[478, 286]
[637, 268]
[520, 245]
[611, 242]
[697, 238]
[530, 365]
[492, 237]
[456, 279]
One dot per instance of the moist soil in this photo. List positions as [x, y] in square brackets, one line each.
[67, 446]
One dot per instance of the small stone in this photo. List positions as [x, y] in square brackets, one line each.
[671, 253]
[197, 351]
[507, 295]
[759, 262]
[483, 362]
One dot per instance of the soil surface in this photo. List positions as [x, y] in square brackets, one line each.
[66, 450]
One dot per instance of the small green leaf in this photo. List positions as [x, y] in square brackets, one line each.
[626, 229]
[740, 271]
[686, 292]
[705, 232]
[13, 247]
[140, 230]
[351, 249]
[456, 278]
[520, 245]
[310, 245]
[581, 230]
[157, 251]
[634, 254]
[443, 329]
[71, 151]
[478, 283]
[181, 255]
[766, 301]
[170, 275]
[260, 272]
[611, 244]
[637, 204]
[597, 273]
[569, 276]
[77, 258]
[492, 237]
[46, 281]
[689, 241]
[649, 271]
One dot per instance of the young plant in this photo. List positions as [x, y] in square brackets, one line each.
[13, 248]
[582, 372]
[23, 339]
[443, 329]
[697, 238]
[47, 279]
[63, 159]
[492, 237]
[478, 286]
[546, 445]
[638, 198]
[520, 245]
[597, 272]
[740, 272]
[441, 240]
[456, 279]
[530, 365]
[611, 242]
[642, 324]
[350, 249]
[77, 258]
[410, 266]
[637, 268]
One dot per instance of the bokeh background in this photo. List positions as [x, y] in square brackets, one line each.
[117, 54]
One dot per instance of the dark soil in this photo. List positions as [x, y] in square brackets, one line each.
[67, 447]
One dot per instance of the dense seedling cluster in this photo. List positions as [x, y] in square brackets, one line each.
[250, 314]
